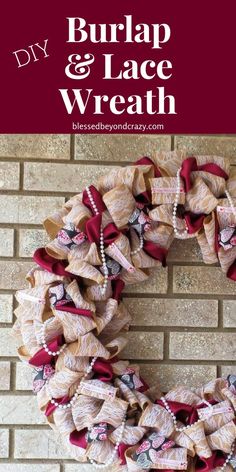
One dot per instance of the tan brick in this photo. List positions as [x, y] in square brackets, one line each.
[144, 346]
[228, 370]
[204, 280]
[61, 177]
[6, 308]
[129, 147]
[24, 376]
[38, 444]
[30, 240]
[4, 443]
[7, 242]
[9, 175]
[156, 283]
[203, 346]
[8, 343]
[5, 375]
[187, 251]
[40, 146]
[229, 313]
[12, 274]
[27, 209]
[20, 409]
[169, 312]
[209, 145]
[82, 468]
[167, 376]
[24, 467]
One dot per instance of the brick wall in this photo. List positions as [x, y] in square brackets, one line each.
[184, 315]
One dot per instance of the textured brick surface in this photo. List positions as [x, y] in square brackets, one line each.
[203, 346]
[166, 376]
[206, 280]
[175, 336]
[4, 375]
[41, 146]
[119, 147]
[229, 313]
[35, 444]
[157, 283]
[30, 240]
[61, 177]
[12, 274]
[8, 343]
[27, 209]
[144, 346]
[24, 376]
[9, 175]
[13, 410]
[6, 304]
[166, 312]
[4, 443]
[218, 145]
[7, 242]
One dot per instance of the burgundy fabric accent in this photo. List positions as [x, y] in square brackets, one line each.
[147, 161]
[103, 370]
[182, 411]
[153, 250]
[72, 309]
[121, 452]
[194, 222]
[42, 357]
[50, 263]
[97, 197]
[78, 438]
[117, 287]
[217, 230]
[51, 407]
[231, 274]
[206, 465]
[190, 164]
[93, 228]
[144, 387]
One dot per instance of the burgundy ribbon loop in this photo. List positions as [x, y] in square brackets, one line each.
[153, 250]
[103, 370]
[93, 228]
[193, 222]
[217, 459]
[70, 308]
[143, 161]
[190, 164]
[51, 407]
[42, 357]
[117, 288]
[51, 264]
[78, 438]
[97, 198]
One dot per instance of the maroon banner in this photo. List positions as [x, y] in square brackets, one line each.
[124, 67]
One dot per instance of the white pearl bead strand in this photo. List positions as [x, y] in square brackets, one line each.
[43, 341]
[136, 251]
[76, 394]
[180, 430]
[102, 252]
[176, 202]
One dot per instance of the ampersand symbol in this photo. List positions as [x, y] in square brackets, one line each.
[80, 69]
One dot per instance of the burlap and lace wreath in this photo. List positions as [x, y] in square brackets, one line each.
[71, 322]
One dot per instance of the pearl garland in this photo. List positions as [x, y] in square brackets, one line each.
[132, 253]
[102, 252]
[230, 202]
[176, 202]
[76, 394]
[180, 430]
[43, 341]
[114, 452]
